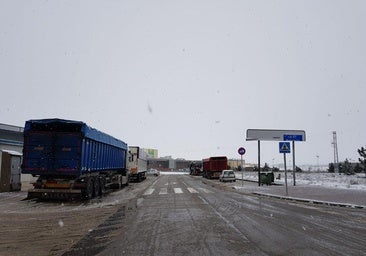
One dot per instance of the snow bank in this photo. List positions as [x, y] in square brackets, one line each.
[333, 180]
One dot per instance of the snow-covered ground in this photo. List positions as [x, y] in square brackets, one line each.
[324, 179]
[333, 180]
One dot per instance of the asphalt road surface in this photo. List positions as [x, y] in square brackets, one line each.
[185, 215]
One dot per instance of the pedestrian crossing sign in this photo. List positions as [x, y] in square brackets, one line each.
[285, 147]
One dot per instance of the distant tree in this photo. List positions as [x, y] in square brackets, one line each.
[298, 169]
[362, 159]
[358, 168]
[275, 169]
[340, 167]
[266, 168]
[331, 167]
[347, 168]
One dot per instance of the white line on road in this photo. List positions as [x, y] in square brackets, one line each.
[192, 190]
[205, 190]
[149, 191]
[178, 191]
[163, 191]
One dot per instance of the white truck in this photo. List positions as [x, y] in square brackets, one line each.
[137, 164]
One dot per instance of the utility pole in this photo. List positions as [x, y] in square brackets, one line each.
[335, 152]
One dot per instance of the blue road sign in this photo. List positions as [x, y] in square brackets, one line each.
[241, 151]
[285, 147]
[293, 137]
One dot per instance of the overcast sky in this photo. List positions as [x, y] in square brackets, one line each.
[190, 77]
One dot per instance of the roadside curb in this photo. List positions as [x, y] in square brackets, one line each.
[304, 200]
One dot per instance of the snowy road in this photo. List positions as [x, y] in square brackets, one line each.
[180, 215]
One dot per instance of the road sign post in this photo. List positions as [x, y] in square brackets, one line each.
[242, 170]
[293, 162]
[284, 160]
[276, 135]
[241, 152]
[285, 148]
[293, 137]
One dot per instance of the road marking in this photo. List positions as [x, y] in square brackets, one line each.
[149, 191]
[163, 191]
[205, 190]
[178, 191]
[192, 190]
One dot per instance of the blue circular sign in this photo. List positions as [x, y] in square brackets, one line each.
[241, 151]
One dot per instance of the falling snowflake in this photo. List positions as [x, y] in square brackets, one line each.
[61, 223]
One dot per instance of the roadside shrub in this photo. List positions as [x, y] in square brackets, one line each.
[353, 182]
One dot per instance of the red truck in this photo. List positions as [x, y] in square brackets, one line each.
[213, 166]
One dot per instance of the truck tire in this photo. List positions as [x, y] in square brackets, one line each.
[89, 191]
[120, 182]
[97, 187]
[102, 186]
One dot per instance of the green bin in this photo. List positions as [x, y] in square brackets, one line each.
[267, 178]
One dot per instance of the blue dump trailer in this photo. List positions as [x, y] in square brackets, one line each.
[72, 159]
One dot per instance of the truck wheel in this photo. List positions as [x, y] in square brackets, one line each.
[97, 187]
[90, 188]
[102, 186]
[120, 182]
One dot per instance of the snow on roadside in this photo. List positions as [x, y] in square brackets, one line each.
[332, 180]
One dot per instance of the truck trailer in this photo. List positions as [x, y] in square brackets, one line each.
[213, 166]
[71, 159]
[137, 164]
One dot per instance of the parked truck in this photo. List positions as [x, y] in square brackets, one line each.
[137, 164]
[213, 166]
[195, 168]
[71, 159]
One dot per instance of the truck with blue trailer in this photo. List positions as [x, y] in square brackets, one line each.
[71, 159]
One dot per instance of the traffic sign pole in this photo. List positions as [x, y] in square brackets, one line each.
[242, 171]
[259, 163]
[276, 135]
[241, 152]
[284, 159]
[293, 162]
[285, 148]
